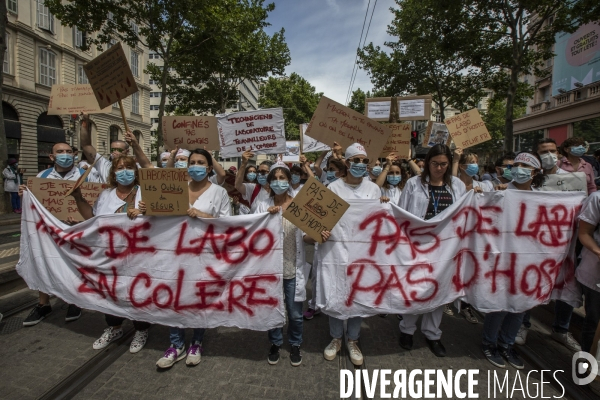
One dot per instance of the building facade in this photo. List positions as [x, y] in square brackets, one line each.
[41, 53]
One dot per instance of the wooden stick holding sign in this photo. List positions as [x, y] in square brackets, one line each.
[315, 209]
[123, 116]
[81, 179]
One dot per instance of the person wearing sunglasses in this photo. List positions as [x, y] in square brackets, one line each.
[426, 196]
[573, 149]
[503, 166]
[351, 187]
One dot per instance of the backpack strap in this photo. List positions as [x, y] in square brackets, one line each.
[255, 193]
[46, 173]
[81, 172]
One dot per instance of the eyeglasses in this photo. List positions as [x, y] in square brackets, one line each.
[435, 164]
[263, 172]
[118, 150]
[357, 160]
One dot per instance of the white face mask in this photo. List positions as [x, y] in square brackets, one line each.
[549, 160]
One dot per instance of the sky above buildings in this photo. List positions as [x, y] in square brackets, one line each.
[323, 36]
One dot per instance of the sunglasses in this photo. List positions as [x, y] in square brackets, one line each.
[357, 160]
[507, 166]
[118, 150]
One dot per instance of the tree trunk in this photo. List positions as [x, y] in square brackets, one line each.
[161, 109]
[3, 141]
[510, 102]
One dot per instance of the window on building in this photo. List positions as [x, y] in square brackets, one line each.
[156, 56]
[134, 63]
[81, 76]
[78, 37]
[114, 133]
[135, 103]
[151, 56]
[134, 28]
[47, 67]
[154, 120]
[6, 64]
[155, 94]
[45, 19]
[12, 6]
[110, 16]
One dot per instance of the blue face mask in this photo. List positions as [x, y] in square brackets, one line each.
[125, 176]
[578, 151]
[251, 176]
[393, 179]
[472, 169]
[64, 160]
[181, 164]
[520, 174]
[197, 172]
[295, 179]
[279, 187]
[358, 170]
[262, 179]
[164, 164]
[506, 174]
[376, 170]
[331, 176]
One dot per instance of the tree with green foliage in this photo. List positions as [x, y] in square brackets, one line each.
[357, 101]
[296, 96]
[423, 59]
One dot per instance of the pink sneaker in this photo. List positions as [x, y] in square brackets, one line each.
[310, 313]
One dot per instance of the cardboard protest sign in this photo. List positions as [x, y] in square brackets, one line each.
[436, 133]
[74, 99]
[259, 131]
[315, 209]
[467, 129]
[333, 122]
[398, 142]
[51, 193]
[190, 132]
[292, 151]
[309, 144]
[110, 76]
[571, 182]
[165, 191]
[410, 108]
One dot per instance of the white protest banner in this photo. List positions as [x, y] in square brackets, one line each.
[259, 131]
[309, 144]
[174, 271]
[570, 182]
[505, 250]
[74, 99]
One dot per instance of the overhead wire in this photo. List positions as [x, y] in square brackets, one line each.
[356, 58]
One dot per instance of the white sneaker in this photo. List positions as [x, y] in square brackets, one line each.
[172, 355]
[194, 354]
[355, 354]
[139, 341]
[567, 340]
[521, 335]
[110, 335]
[332, 349]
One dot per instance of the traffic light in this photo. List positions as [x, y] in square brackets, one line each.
[414, 138]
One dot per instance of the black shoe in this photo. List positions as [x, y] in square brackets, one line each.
[382, 315]
[273, 355]
[73, 313]
[38, 313]
[436, 347]
[510, 355]
[406, 341]
[492, 355]
[295, 356]
[399, 317]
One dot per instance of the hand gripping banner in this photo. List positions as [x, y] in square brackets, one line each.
[509, 250]
[176, 271]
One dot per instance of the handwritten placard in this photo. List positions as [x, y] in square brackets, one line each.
[315, 209]
[110, 76]
[190, 132]
[467, 129]
[410, 108]
[81, 179]
[436, 133]
[333, 122]
[165, 191]
[51, 193]
[259, 131]
[398, 142]
[74, 99]
[309, 144]
[571, 182]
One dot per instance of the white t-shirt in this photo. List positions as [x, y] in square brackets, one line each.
[393, 193]
[263, 195]
[214, 201]
[486, 186]
[294, 192]
[108, 202]
[365, 190]
[72, 175]
[588, 271]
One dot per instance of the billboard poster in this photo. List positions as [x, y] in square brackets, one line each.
[577, 58]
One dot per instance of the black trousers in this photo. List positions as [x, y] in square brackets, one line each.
[111, 320]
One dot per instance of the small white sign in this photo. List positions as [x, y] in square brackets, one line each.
[412, 108]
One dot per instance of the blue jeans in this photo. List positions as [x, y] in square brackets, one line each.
[592, 316]
[177, 336]
[15, 201]
[562, 317]
[294, 312]
[336, 328]
[501, 328]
